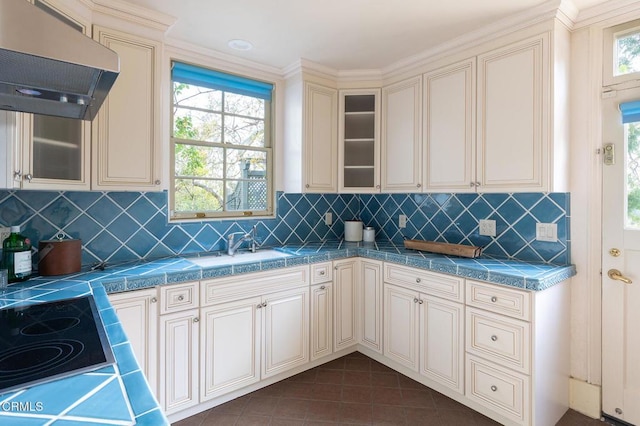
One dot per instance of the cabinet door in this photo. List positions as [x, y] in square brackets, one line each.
[285, 331]
[126, 135]
[370, 298]
[138, 314]
[55, 150]
[401, 138]
[230, 347]
[320, 139]
[401, 327]
[442, 341]
[513, 86]
[449, 128]
[345, 331]
[321, 320]
[359, 141]
[179, 374]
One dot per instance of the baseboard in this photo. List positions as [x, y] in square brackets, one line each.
[585, 398]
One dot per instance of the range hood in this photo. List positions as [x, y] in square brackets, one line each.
[48, 67]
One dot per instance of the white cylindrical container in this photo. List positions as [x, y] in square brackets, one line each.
[353, 230]
[369, 234]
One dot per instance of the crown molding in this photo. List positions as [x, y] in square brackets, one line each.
[306, 66]
[183, 48]
[500, 28]
[605, 11]
[132, 13]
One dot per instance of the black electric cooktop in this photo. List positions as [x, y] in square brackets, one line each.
[48, 341]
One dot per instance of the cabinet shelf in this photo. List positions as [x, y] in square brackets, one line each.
[360, 140]
[360, 113]
[53, 142]
[359, 167]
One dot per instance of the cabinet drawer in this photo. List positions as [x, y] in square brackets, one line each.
[238, 287]
[441, 285]
[178, 297]
[499, 339]
[321, 273]
[503, 391]
[499, 299]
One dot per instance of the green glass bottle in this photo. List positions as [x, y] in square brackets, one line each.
[16, 256]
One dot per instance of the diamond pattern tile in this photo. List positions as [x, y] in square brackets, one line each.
[120, 226]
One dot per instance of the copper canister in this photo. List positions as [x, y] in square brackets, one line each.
[59, 257]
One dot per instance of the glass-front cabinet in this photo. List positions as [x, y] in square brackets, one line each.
[54, 151]
[359, 140]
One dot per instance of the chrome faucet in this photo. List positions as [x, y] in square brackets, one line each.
[232, 244]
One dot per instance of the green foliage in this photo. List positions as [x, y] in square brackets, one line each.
[628, 53]
[633, 174]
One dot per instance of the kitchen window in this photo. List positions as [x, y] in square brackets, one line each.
[221, 153]
[622, 48]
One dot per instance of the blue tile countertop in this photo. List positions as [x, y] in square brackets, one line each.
[120, 395]
[112, 395]
[514, 273]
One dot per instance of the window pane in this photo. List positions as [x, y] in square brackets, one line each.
[246, 164]
[197, 97]
[247, 195]
[193, 195]
[244, 131]
[632, 132]
[198, 125]
[627, 54]
[199, 161]
[243, 105]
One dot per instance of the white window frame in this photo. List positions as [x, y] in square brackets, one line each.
[609, 59]
[269, 212]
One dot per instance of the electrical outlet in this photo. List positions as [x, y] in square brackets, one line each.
[488, 227]
[402, 221]
[4, 233]
[328, 218]
[547, 232]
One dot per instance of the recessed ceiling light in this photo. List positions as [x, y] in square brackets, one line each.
[239, 44]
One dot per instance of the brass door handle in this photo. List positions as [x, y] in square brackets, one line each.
[614, 274]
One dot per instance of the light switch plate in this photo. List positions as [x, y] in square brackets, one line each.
[328, 218]
[402, 221]
[487, 227]
[547, 232]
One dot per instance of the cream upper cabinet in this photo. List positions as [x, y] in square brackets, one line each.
[126, 133]
[311, 137]
[52, 152]
[401, 161]
[488, 120]
[513, 95]
[449, 128]
[359, 141]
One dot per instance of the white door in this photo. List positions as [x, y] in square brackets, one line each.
[345, 332]
[621, 264]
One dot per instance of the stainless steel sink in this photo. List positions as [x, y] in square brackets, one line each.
[239, 257]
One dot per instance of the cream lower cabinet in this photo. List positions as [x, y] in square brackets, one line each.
[138, 314]
[370, 304]
[345, 311]
[179, 346]
[517, 345]
[253, 327]
[424, 332]
[321, 294]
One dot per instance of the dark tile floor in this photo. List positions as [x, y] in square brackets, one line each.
[352, 390]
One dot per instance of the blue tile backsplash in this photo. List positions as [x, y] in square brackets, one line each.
[123, 226]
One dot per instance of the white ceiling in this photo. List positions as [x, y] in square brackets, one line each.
[340, 34]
